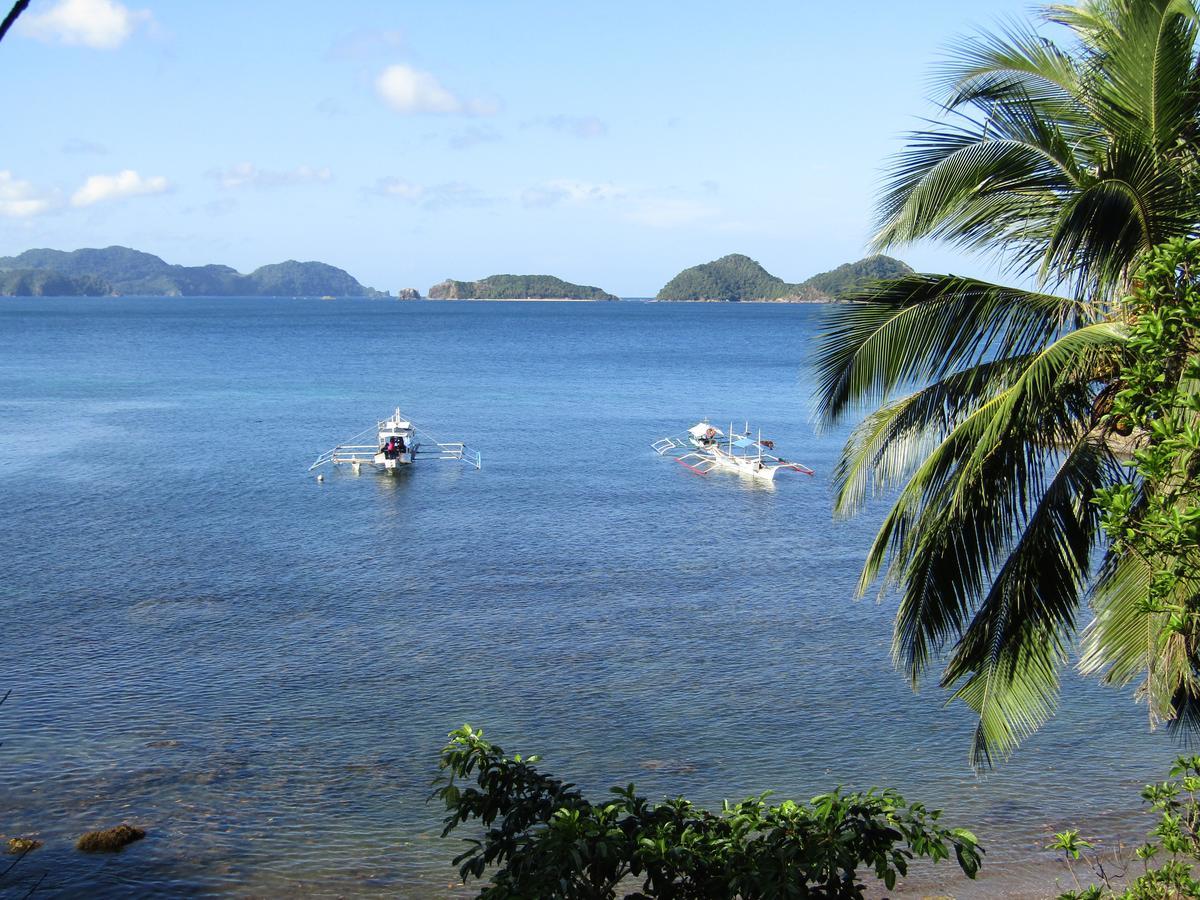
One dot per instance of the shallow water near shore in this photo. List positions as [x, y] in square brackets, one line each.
[259, 669]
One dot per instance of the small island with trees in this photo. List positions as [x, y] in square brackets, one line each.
[517, 287]
[115, 271]
[739, 279]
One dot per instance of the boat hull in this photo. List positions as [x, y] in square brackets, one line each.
[391, 464]
[749, 468]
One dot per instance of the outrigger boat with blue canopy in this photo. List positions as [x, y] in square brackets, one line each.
[704, 448]
[398, 445]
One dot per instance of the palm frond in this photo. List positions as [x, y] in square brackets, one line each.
[1071, 161]
[1143, 80]
[1071, 165]
[974, 183]
[1118, 645]
[993, 68]
[919, 328]
[1007, 662]
[956, 519]
[888, 445]
[1126, 641]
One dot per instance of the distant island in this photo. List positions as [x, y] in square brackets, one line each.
[113, 271]
[120, 270]
[516, 287]
[737, 278]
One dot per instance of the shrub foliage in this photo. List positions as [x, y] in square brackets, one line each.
[543, 838]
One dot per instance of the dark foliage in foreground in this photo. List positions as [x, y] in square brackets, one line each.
[544, 839]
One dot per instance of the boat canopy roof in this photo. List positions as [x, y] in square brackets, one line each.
[745, 442]
[702, 429]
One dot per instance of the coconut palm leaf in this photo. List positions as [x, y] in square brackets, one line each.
[1071, 161]
[1118, 645]
[919, 328]
[1074, 164]
[992, 68]
[1128, 642]
[1008, 660]
[887, 446]
[993, 457]
[974, 183]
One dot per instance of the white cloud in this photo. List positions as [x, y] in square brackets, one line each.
[473, 136]
[562, 190]
[657, 208]
[455, 193]
[331, 107]
[668, 212]
[249, 175]
[19, 199]
[584, 127]
[408, 90]
[79, 145]
[435, 196]
[127, 183]
[398, 187]
[364, 43]
[103, 24]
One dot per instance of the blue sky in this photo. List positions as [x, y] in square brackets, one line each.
[608, 143]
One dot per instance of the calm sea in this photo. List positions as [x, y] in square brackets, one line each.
[259, 668]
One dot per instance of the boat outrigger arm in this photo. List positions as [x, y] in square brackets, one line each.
[398, 444]
[703, 448]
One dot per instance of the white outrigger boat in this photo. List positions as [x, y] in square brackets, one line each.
[703, 448]
[398, 445]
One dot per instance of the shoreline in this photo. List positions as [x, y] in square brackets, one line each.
[517, 300]
[758, 302]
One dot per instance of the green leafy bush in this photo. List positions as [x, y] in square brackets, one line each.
[544, 839]
[1155, 516]
[1174, 844]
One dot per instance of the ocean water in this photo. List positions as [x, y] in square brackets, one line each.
[259, 669]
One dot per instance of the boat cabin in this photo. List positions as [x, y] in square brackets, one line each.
[703, 434]
[397, 441]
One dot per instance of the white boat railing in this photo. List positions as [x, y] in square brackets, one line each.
[364, 454]
[451, 450]
[700, 464]
[354, 454]
[667, 444]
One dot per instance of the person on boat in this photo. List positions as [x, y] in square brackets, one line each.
[390, 450]
[400, 448]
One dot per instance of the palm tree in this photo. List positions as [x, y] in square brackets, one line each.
[1071, 161]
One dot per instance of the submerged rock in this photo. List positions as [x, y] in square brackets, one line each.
[110, 839]
[22, 844]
